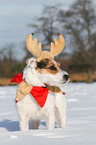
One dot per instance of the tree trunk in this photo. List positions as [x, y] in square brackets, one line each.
[89, 76]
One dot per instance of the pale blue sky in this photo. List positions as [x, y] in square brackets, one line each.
[15, 15]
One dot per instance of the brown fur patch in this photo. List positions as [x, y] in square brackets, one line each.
[47, 66]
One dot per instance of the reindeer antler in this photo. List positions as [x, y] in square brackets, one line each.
[33, 46]
[36, 50]
[58, 46]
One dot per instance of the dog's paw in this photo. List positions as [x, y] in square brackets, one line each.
[63, 124]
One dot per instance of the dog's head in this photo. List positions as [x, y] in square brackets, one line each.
[51, 73]
[44, 69]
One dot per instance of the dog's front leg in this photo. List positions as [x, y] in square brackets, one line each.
[50, 121]
[60, 110]
[49, 112]
[23, 124]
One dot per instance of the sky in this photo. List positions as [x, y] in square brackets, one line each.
[15, 15]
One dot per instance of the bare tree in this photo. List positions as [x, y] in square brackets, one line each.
[2, 52]
[7, 60]
[46, 25]
[80, 22]
[28, 54]
[9, 52]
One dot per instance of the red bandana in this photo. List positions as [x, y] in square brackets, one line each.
[39, 93]
[18, 78]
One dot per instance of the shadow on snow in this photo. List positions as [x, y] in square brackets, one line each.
[14, 125]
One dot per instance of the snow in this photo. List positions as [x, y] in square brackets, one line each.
[81, 119]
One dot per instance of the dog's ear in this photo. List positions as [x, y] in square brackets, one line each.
[41, 64]
[31, 62]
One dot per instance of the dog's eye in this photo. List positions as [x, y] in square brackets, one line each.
[52, 68]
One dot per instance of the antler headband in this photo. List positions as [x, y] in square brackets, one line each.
[35, 48]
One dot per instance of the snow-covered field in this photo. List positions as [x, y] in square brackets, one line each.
[81, 119]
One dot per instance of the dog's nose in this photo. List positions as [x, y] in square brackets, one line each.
[66, 77]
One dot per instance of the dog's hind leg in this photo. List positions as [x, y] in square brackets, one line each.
[60, 110]
[34, 123]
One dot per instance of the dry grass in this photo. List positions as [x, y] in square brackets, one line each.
[81, 77]
[5, 82]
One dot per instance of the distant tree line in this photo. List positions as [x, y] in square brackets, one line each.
[78, 26]
[9, 66]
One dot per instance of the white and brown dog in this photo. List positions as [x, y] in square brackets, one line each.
[40, 71]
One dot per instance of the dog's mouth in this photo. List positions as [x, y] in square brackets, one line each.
[60, 83]
[64, 81]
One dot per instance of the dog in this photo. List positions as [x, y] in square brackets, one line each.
[43, 71]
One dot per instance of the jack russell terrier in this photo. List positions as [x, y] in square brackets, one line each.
[39, 93]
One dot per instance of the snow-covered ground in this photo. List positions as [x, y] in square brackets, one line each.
[81, 119]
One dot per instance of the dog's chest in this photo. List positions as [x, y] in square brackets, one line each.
[32, 109]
